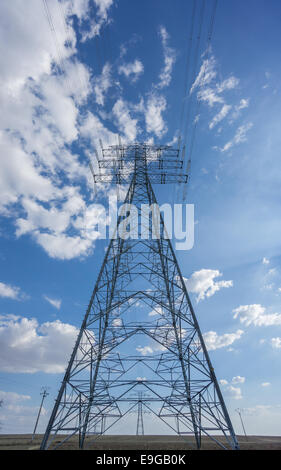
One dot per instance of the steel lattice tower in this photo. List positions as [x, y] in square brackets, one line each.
[140, 273]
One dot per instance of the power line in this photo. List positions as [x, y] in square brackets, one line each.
[209, 38]
[61, 61]
[196, 57]
[187, 68]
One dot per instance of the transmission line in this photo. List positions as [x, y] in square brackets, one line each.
[210, 33]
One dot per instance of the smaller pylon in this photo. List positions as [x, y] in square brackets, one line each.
[44, 394]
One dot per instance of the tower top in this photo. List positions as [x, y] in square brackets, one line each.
[162, 163]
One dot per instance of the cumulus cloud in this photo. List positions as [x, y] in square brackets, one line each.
[233, 392]
[265, 261]
[203, 283]
[229, 389]
[223, 382]
[255, 314]
[125, 123]
[42, 86]
[28, 347]
[209, 96]
[156, 105]
[276, 342]
[214, 341]
[93, 25]
[156, 311]
[62, 246]
[17, 409]
[102, 83]
[238, 380]
[9, 291]
[144, 350]
[10, 398]
[132, 70]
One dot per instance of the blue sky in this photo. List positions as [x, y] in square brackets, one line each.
[83, 70]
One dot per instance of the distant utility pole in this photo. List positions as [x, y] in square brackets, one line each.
[239, 411]
[44, 394]
[140, 426]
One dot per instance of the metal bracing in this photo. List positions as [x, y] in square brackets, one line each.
[140, 334]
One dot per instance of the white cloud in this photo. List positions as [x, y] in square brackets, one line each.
[54, 302]
[231, 391]
[156, 311]
[212, 94]
[72, 214]
[244, 103]
[9, 291]
[11, 398]
[214, 341]
[238, 380]
[62, 246]
[208, 90]
[228, 84]
[272, 272]
[18, 174]
[265, 261]
[206, 75]
[29, 47]
[61, 109]
[234, 392]
[93, 129]
[54, 219]
[94, 25]
[125, 123]
[203, 284]
[240, 136]
[266, 384]
[117, 322]
[102, 83]
[169, 59]
[132, 70]
[209, 96]
[27, 347]
[220, 116]
[144, 350]
[156, 105]
[42, 86]
[276, 342]
[255, 315]
[18, 415]
[223, 382]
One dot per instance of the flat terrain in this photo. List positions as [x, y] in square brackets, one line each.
[149, 442]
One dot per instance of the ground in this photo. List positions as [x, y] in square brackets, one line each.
[24, 442]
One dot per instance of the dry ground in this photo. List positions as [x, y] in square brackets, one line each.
[23, 442]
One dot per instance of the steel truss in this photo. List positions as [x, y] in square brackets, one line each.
[180, 387]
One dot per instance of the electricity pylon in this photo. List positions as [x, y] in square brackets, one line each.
[140, 295]
[141, 403]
